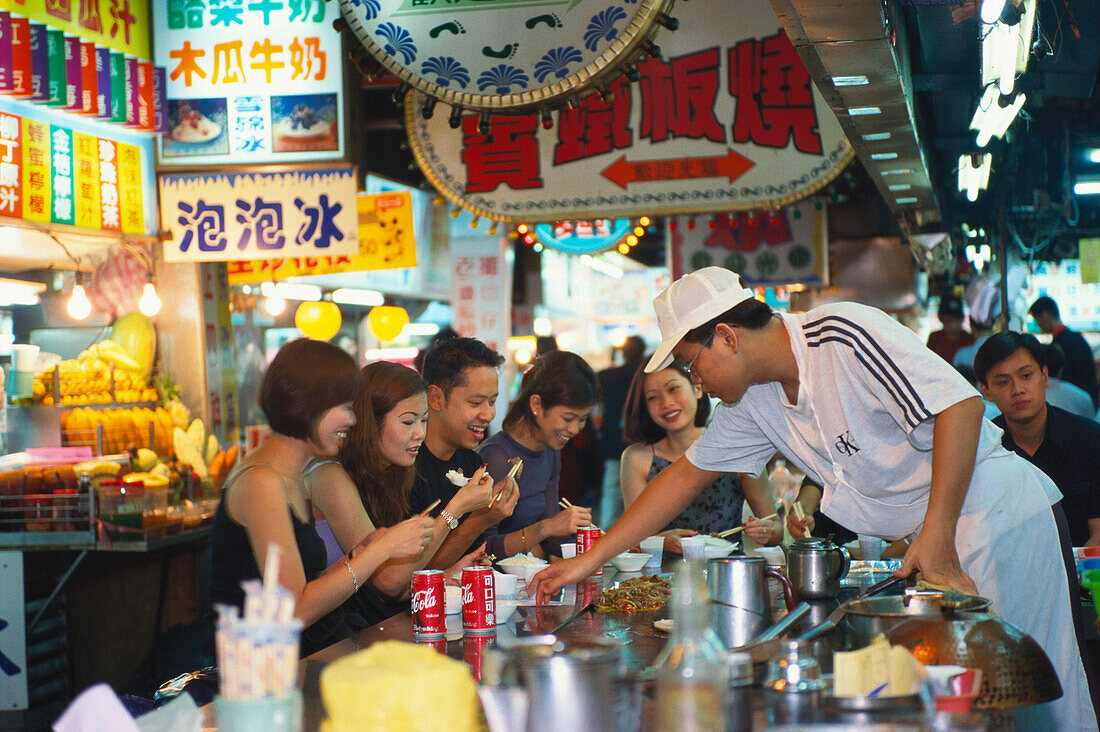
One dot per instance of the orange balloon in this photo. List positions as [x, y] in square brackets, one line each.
[318, 320]
[387, 321]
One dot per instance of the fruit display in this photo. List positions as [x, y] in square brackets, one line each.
[102, 373]
[123, 428]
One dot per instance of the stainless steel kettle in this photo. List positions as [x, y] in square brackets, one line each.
[815, 567]
[739, 600]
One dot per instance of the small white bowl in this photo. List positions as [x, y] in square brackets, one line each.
[717, 548]
[452, 600]
[530, 570]
[505, 585]
[505, 610]
[630, 561]
[515, 568]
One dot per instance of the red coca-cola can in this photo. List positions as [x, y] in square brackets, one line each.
[473, 651]
[479, 605]
[428, 603]
[586, 537]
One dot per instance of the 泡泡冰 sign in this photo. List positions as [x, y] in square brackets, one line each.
[250, 82]
[727, 119]
[386, 241]
[305, 212]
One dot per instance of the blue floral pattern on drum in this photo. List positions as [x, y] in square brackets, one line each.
[399, 42]
[602, 27]
[371, 7]
[446, 69]
[556, 61]
[502, 77]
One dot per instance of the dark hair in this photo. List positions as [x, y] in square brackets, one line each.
[752, 314]
[638, 425]
[633, 351]
[1000, 346]
[304, 380]
[560, 378]
[1055, 358]
[446, 360]
[1044, 305]
[383, 488]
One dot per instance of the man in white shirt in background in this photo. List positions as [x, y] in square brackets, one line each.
[894, 435]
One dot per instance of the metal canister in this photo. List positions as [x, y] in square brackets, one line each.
[586, 537]
[479, 606]
[428, 608]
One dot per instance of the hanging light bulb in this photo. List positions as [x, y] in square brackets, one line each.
[275, 305]
[149, 304]
[80, 306]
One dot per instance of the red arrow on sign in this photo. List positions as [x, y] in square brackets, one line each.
[731, 165]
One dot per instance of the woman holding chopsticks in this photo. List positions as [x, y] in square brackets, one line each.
[368, 484]
[664, 414]
[556, 395]
[306, 395]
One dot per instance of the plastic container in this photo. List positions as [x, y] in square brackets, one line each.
[38, 511]
[155, 513]
[121, 510]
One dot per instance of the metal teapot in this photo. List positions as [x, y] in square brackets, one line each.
[815, 567]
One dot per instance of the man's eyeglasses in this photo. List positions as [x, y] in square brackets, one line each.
[690, 365]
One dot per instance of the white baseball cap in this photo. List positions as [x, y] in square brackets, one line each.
[691, 301]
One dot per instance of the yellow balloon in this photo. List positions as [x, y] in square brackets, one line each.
[387, 321]
[318, 320]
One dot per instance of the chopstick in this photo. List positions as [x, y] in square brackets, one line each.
[731, 532]
[564, 503]
[427, 510]
[516, 466]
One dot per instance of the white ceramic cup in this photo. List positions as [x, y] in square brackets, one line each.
[871, 547]
[24, 356]
[568, 550]
[529, 572]
[654, 546]
[695, 547]
[505, 585]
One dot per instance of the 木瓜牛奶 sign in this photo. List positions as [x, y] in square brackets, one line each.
[304, 212]
[726, 119]
[250, 82]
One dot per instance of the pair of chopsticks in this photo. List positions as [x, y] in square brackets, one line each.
[564, 503]
[739, 529]
[517, 465]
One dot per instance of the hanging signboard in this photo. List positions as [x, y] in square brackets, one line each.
[122, 25]
[504, 54]
[766, 248]
[56, 169]
[386, 241]
[305, 212]
[250, 82]
[726, 119]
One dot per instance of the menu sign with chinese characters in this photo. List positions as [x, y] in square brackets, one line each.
[53, 173]
[726, 119]
[122, 25]
[386, 241]
[480, 289]
[776, 248]
[307, 212]
[250, 82]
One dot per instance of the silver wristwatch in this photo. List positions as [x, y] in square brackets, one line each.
[452, 522]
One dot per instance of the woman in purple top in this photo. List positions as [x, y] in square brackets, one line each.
[555, 398]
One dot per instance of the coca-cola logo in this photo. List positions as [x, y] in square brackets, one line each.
[467, 593]
[424, 600]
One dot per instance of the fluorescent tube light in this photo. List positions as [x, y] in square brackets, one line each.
[353, 296]
[909, 199]
[991, 10]
[991, 119]
[1094, 155]
[900, 187]
[291, 291]
[851, 81]
[420, 329]
[876, 136]
[863, 111]
[974, 174]
[884, 156]
[898, 171]
[1087, 187]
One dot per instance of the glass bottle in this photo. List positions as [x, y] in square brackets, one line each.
[691, 669]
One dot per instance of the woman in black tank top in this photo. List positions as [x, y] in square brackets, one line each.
[306, 396]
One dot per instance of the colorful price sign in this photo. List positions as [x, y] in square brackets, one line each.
[119, 24]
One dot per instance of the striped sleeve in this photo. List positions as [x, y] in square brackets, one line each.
[911, 381]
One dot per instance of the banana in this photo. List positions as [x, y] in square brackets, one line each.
[96, 468]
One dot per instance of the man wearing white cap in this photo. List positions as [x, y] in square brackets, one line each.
[893, 433]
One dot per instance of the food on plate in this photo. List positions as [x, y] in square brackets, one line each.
[457, 478]
[880, 669]
[665, 625]
[527, 558]
[302, 123]
[638, 594]
[383, 686]
[195, 127]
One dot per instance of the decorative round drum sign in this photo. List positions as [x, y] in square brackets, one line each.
[505, 54]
